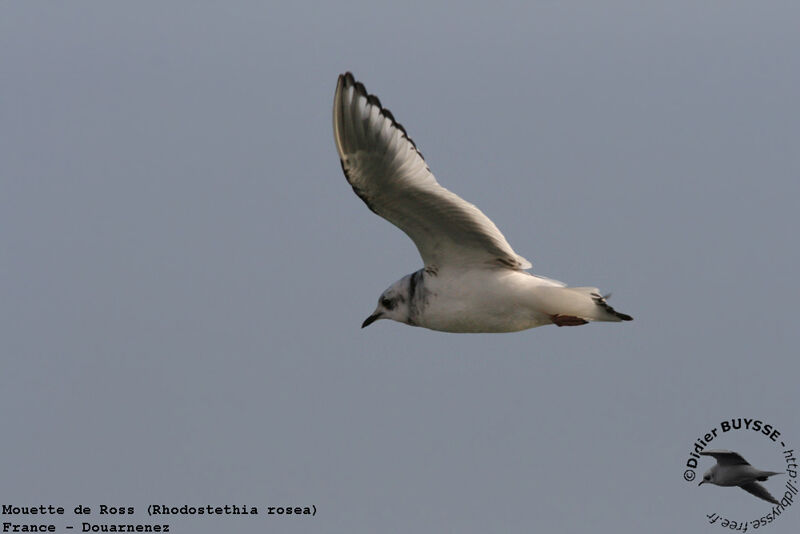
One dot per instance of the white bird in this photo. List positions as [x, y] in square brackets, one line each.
[473, 281]
[733, 470]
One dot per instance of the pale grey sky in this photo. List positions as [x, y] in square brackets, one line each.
[184, 269]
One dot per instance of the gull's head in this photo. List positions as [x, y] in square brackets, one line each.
[393, 304]
[708, 477]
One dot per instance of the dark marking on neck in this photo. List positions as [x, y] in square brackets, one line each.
[415, 284]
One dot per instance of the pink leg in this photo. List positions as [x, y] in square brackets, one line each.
[567, 320]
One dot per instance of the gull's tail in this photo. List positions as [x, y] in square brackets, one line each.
[572, 306]
[602, 303]
[764, 475]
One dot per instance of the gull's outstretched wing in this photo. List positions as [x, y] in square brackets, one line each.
[389, 174]
[724, 457]
[759, 491]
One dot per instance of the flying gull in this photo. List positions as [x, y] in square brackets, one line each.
[733, 470]
[473, 281]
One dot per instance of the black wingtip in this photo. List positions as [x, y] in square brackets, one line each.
[349, 80]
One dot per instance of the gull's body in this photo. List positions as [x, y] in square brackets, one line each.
[733, 470]
[489, 300]
[473, 281]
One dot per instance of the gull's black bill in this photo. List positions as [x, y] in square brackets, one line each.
[371, 319]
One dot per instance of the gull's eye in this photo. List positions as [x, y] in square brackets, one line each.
[386, 303]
